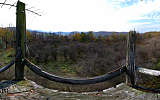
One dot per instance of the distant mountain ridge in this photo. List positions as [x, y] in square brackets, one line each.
[102, 33]
[105, 33]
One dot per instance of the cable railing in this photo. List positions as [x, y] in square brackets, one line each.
[144, 89]
[94, 80]
[7, 66]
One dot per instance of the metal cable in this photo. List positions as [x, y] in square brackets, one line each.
[93, 80]
[152, 90]
[144, 89]
[7, 66]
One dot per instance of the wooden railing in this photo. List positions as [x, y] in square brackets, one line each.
[20, 61]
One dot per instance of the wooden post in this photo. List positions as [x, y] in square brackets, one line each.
[130, 58]
[20, 40]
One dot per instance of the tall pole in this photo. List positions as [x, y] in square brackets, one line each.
[130, 58]
[20, 40]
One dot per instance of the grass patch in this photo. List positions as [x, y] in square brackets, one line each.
[64, 67]
[5, 56]
[22, 83]
[157, 65]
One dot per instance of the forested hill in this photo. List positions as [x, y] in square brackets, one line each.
[82, 55]
[97, 33]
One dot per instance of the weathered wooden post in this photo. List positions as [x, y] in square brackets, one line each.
[20, 40]
[130, 58]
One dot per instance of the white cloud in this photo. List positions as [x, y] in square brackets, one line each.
[83, 15]
[137, 12]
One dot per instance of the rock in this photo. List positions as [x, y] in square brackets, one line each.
[29, 90]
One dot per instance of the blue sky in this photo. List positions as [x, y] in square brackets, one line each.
[87, 15]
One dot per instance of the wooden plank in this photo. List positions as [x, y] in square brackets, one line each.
[130, 58]
[20, 40]
[148, 71]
